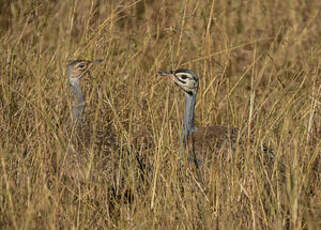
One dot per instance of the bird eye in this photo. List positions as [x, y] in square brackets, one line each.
[81, 66]
[183, 77]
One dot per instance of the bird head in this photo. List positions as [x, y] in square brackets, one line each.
[78, 68]
[184, 78]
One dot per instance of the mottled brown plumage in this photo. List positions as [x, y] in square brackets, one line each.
[207, 139]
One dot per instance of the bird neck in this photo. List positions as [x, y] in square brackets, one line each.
[190, 101]
[78, 106]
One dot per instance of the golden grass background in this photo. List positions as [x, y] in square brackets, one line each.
[259, 68]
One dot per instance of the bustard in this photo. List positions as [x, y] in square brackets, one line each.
[198, 140]
[76, 70]
[75, 164]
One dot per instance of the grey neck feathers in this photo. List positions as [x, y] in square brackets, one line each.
[78, 106]
[190, 101]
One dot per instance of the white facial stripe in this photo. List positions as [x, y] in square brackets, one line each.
[186, 81]
[82, 65]
[184, 76]
[81, 68]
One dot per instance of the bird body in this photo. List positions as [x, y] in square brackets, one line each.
[207, 139]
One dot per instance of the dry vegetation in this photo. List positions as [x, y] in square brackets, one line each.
[259, 67]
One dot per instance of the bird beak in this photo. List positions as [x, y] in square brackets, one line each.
[165, 73]
[92, 63]
[169, 74]
[97, 61]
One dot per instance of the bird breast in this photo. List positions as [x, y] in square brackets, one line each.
[210, 139]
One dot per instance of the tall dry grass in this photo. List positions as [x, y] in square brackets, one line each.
[259, 67]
